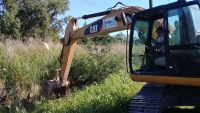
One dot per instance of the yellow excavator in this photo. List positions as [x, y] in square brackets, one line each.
[178, 67]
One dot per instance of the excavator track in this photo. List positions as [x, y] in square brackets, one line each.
[148, 99]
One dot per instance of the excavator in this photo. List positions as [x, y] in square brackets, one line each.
[177, 69]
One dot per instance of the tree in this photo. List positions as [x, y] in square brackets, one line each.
[121, 37]
[33, 18]
[103, 39]
[9, 24]
[98, 40]
[138, 41]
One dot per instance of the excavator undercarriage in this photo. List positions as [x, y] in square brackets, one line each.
[162, 98]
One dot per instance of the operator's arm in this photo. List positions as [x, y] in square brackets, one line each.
[158, 45]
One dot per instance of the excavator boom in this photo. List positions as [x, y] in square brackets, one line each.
[110, 23]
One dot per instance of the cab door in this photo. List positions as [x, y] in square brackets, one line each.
[183, 40]
[143, 34]
[139, 38]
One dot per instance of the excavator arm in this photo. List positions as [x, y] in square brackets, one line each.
[113, 20]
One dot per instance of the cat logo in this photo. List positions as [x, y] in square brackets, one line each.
[94, 29]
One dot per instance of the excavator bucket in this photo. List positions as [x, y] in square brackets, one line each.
[54, 85]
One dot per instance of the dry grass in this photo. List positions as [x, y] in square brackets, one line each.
[119, 48]
[80, 50]
[23, 66]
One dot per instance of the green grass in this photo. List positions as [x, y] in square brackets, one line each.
[24, 66]
[113, 96]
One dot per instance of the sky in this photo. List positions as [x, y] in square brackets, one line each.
[78, 8]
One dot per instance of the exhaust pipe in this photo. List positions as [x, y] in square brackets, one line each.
[150, 4]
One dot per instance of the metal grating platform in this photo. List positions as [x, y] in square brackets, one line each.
[148, 99]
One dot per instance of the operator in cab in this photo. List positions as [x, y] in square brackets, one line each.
[159, 46]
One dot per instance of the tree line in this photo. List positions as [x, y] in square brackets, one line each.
[21, 19]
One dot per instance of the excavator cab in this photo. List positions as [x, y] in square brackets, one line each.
[180, 63]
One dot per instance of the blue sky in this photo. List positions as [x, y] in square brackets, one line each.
[78, 8]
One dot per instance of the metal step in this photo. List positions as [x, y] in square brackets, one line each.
[148, 99]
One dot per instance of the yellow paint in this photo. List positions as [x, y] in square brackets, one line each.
[189, 81]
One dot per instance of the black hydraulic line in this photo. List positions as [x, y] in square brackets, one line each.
[95, 14]
[116, 5]
[150, 4]
[101, 13]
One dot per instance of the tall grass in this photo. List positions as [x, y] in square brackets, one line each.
[24, 66]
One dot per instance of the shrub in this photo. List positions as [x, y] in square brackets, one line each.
[94, 66]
